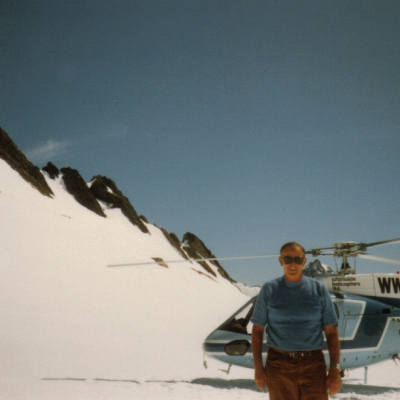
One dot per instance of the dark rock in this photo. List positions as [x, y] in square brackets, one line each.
[175, 242]
[76, 186]
[13, 156]
[52, 170]
[100, 186]
[195, 248]
[160, 262]
[315, 268]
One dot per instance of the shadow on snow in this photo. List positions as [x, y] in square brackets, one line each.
[248, 384]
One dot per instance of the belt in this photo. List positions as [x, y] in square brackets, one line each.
[296, 354]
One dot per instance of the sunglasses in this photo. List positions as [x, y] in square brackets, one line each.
[288, 260]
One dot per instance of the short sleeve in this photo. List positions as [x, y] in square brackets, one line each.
[328, 312]
[260, 313]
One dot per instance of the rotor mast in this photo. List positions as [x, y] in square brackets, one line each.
[344, 250]
[345, 268]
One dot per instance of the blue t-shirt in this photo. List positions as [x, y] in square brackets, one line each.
[295, 313]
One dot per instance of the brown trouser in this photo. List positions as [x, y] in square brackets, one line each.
[291, 378]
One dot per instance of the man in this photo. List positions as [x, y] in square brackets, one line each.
[296, 310]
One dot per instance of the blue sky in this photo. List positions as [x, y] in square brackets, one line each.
[248, 123]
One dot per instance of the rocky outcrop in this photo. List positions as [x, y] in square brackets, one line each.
[105, 190]
[143, 218]
[174, 241]
[160, 262]
[78, 188]
[13, 156]
[315, 269]
[195, 248]
[52, 170]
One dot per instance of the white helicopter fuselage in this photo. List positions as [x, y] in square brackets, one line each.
[381, 287]
[368, 311]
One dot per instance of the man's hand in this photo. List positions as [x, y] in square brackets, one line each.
[260, 375]
[333, 381]
[261, 378]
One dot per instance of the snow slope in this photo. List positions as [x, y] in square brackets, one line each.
[66, 314]
[73, 328]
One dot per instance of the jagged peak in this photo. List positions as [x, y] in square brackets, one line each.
[51, 170]
[78, 188]
[100, 185]
[316, 268]
[196, 248]
[17, 160]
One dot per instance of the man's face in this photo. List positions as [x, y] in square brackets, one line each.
[291, 270]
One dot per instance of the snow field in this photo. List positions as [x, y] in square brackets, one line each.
[74, 328]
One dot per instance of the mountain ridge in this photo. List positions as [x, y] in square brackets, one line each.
[99, 194]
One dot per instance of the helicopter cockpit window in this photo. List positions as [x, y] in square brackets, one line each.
[240, 322]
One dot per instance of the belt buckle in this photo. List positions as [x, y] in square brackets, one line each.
[297, 354]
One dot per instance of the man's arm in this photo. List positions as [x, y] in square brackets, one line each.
[333, 381]
[257, 337]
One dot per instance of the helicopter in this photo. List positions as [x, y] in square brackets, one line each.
[367, 307]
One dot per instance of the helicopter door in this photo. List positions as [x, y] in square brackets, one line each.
[349, 314]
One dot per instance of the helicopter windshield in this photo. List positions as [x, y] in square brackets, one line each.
[240, 322]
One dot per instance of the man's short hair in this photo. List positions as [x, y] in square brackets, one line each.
[292, 245]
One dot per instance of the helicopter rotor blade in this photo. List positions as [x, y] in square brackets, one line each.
[339, 249]
[320, 251]
[379, 258]
[383, 242]
[348, 247]
[192, 259]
